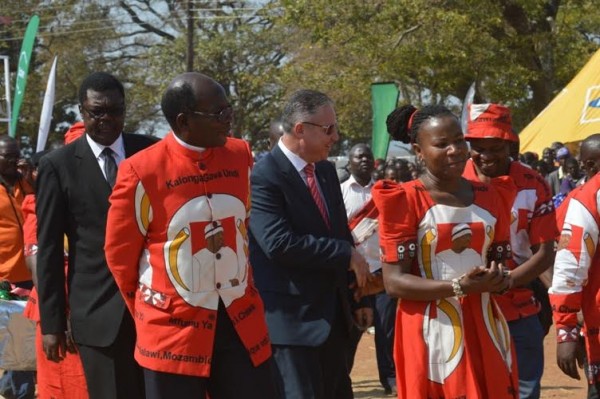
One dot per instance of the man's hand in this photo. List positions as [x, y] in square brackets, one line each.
[374, 286]
[363, 318]
[567, 353]
[55, 346]
[360, 267]
[71, 347]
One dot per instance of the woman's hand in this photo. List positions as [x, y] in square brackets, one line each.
[495, 278]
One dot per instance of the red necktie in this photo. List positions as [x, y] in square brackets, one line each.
[309, 169]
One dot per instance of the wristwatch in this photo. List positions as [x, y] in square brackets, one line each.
[458, 292]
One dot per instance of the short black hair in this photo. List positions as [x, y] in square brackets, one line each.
[300, 105]
[99, 81]
[404, 122]
[178, 98]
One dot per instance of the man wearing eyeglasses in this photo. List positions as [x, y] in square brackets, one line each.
[303, 253]
[177, 245]
[74, 184]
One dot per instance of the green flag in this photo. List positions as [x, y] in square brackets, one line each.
[384, 97]
[22, 70]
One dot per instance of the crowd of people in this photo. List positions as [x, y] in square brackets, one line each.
[183, 267]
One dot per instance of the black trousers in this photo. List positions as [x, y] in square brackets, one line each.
[384, 320]
[321, 372]
[112, 372]
[232, 374]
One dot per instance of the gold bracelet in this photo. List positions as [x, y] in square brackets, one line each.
[458, 292]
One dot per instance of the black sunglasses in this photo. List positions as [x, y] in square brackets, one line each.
[113, 113]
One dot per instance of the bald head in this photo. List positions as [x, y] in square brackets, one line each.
[185, 91]
[589, 155]
[197, 110]
[5, 139]
[9, 157]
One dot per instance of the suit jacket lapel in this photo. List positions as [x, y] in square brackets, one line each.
[297, 183]
[91, 175]
[291, 174]
[129, 150]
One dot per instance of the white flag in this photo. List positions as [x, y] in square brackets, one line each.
[46, 116]
[464, 115]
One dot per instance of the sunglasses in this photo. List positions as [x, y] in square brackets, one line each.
[223, 115]
[327, 129]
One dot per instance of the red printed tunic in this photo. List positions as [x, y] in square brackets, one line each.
[532, 222]
[176, 243]
[447, 348]
[576, 280]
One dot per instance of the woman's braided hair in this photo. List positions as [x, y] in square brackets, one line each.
[404, 122]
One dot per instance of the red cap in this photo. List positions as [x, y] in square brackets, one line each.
[489, 121]
[74, 132]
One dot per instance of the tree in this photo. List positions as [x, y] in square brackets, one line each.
[519, 52]
[143, 42]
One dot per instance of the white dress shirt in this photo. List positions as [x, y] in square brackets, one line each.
[117, 147]
[355, 197]
[299, 165]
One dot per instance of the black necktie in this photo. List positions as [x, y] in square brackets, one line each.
[110, 166]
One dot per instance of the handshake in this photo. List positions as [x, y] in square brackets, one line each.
[367, 283]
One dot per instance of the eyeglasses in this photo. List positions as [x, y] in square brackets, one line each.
[223, 115]
[327, 129]
[112, 113]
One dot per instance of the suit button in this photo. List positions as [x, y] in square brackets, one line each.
[218, 256]
[218, 285]
[201, 166]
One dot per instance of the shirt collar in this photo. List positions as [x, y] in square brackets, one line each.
[117, 146]
[188, 146]
[352, 181]
[298, 162]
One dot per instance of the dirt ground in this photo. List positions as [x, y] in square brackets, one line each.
[554, 383]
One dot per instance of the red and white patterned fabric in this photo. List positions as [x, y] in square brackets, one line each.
[576, 280]
[452, 347]
[532, 222]
[177, 244]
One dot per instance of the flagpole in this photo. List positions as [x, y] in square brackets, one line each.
[6, 90]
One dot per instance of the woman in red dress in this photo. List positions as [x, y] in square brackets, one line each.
[444, 243]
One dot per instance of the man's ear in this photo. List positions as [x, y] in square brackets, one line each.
[298, 130]
[181, 121]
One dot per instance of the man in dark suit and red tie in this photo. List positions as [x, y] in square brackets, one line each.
[303, 254]
[73, 187]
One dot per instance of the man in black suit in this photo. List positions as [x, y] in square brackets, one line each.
[301, 250]
[74, 184]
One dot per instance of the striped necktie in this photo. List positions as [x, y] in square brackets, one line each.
[309, 169]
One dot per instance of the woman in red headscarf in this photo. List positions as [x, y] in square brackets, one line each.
[532, 233]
